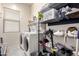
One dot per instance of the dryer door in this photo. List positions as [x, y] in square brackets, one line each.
[26, 43]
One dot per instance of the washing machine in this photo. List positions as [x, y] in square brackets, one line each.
[29, 42]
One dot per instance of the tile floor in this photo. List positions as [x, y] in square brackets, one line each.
[16, 52]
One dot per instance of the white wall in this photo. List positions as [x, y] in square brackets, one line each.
[12, 39]
[1, 21]
[35, 8]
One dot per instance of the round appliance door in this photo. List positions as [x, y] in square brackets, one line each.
[26, 43]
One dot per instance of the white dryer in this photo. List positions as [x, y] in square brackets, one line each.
[29, 42]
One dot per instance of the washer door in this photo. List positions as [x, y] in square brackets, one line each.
[26, 43]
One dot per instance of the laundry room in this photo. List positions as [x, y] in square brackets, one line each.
[39, 29]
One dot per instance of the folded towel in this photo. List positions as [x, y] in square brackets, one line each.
[59, 33]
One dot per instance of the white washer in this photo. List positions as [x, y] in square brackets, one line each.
[29, 42]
